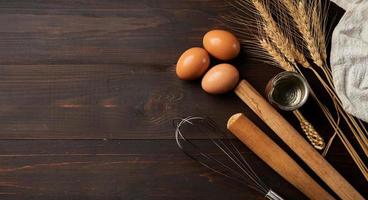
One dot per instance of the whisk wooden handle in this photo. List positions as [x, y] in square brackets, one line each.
[255, 139]
[296, 142]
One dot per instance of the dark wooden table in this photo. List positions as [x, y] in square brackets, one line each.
[88, 92]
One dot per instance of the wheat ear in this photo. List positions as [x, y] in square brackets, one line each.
[286, 46]
[276, 55]
[319, 33]
[305, 29]
[301, 18]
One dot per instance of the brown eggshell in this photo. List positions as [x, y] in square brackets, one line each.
[220, 79]
[192, 64]
[221, 44]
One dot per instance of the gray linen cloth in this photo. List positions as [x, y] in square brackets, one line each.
[349, 57]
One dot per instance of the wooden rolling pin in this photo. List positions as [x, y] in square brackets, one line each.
[296, 142]
[256, 140]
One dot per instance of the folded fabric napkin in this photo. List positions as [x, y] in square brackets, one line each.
[349, 57]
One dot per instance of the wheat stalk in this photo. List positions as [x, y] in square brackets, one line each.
[276, 55]
[304, 26]
[319, 33]
[313, 35]
[359, 131]
[281, 49]
[318, 52]
[301, 18]
[314, 38]
[272, 30]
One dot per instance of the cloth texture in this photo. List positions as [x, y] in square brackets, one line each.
[349, 57]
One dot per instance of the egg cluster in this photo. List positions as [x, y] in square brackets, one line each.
[194, 62]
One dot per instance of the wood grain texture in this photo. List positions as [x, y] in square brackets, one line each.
[256, 140]
[79, 69]
[75, 72]
[294, 140]
[116, 169]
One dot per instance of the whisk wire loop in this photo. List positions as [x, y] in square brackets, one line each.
[234, 166]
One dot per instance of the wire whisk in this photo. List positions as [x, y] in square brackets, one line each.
[227, 161]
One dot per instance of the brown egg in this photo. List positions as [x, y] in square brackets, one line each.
[192, 64]
[220, 79]
[221, 44]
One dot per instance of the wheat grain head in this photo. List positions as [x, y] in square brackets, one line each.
[319, 31]
[276, 55]
[273, 31]
[300, 14]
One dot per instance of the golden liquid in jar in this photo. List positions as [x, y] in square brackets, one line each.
[288, 91]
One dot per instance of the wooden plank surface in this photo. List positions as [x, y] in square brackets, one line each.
[135, 169]
[102, 70]
[127, 169]
[88, 93]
